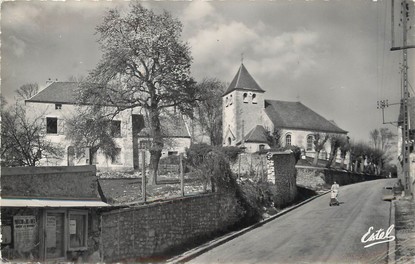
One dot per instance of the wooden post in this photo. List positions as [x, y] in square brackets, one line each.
[143, 176]
[181, 175]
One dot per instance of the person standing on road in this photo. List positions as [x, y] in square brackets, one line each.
[335, 188]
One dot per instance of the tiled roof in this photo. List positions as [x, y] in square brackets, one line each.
[55, 182]
[257, 135]
[295, 115]
[243, 81]
[171, 127]
[57, 92]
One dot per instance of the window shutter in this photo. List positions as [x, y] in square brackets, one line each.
[61, 126]
[43, 125]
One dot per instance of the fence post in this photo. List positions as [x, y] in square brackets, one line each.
[181, 175]
[143, 176]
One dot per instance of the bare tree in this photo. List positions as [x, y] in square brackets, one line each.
[23, 141]
[27, 91]
[209, 109]
[374, 137]
[336, 142]
[274, 138]
[92, 132]
[144, 64]
[319, 140]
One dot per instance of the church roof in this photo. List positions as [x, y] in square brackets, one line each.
[295, 115]
[243, 81]
[257, 135]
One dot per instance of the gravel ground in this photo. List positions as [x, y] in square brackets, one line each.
[405, 231]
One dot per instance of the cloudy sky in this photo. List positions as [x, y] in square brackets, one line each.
[333, 56]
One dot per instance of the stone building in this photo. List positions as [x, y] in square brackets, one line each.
[57, 103]
[247, 116]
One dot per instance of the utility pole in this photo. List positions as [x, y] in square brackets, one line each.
[406, 178]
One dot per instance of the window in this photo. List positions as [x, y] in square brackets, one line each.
[288, 140]
[51, 125]
[230, 100]
[310, 139]
[261, 147]
[254, 99]
[227, 101]
[117, 158]
[245, 98]
[229, 141]
[171, 153]
[77, 230]
[115, 128]
[58, 106]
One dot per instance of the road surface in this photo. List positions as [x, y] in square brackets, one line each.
[315, 232]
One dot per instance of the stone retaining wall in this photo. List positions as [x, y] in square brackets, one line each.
[321, 178]
[150, 231]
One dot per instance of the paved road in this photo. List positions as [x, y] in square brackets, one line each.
[315, 232]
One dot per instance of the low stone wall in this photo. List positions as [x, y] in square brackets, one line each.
[321, 178]
[153, 230]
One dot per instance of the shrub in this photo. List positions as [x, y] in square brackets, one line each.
[231, 152]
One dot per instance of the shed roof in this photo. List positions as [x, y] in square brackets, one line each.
[295, 115]
[55, 183]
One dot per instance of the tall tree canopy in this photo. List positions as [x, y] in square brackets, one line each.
[209, 109]
[144, 64]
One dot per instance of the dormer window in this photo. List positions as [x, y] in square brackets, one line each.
[245, 98]
[254, 99]
[58, 106]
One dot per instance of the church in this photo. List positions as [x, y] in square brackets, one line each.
[248, 116]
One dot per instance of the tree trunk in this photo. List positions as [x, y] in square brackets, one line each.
[157, 144]
[316, 158]
[332, 158]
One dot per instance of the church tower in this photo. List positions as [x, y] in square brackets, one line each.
[243, 103]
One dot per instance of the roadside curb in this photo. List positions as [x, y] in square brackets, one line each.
[188, 255]
[392, 244]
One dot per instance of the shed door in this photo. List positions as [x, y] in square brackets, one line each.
[55, 235]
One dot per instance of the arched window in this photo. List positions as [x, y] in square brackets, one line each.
[310, 139]
[254, 99]
[288, 140]
[245, 97]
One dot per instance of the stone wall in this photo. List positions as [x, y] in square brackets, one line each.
[277, 168]
[285, 178]
[153, 230]
[321, 178]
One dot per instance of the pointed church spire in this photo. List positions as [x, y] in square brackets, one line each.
[243, 81]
